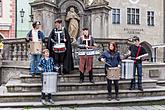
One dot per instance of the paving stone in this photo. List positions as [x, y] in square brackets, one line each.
[148, 107]
[158, 107]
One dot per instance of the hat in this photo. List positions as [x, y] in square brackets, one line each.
[85, 29]
[36, 22]
[135, 38]
[58, 20]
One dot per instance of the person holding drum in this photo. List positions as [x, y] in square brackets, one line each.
[60, 48]
[111, 58]
[137, 53]
[46, 64]
[86, 42]
[35, 35]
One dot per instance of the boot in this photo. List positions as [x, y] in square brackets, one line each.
[81, 77]
[117, 98]
[91, 76]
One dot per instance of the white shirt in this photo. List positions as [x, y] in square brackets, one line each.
[35, 35]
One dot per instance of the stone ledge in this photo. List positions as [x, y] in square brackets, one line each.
[123, 102]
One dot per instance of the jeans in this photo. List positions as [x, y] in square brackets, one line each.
[137, 66]
[34, 61]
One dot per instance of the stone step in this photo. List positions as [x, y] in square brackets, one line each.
[71, 78]
[161, 83]
[82, 95]
[17, 86]
[140, 101]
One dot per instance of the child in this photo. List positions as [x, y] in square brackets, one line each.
[46, 64]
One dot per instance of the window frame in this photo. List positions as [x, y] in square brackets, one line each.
[133, 16]
[150, 18]
[116, 15]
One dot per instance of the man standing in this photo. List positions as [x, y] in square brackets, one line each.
[63, 57]
[85, 42]
[35, 35]
[137, 53]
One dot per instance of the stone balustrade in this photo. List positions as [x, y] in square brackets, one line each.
[17, 49]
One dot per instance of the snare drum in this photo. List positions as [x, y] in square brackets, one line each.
[113, 73]
[88, 52]
[59, 48]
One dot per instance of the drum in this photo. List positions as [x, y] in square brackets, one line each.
[35, 47]
[113, 73]
[127, 69]
[88, 52]
[59, 48]
[49, 82]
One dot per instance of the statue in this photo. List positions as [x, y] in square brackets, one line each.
[73, 27]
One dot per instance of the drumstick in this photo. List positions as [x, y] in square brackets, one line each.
[106, 63]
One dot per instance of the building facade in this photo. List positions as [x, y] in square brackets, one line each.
[109, 19]
[24, 18]
[143, 18]
[7, 19]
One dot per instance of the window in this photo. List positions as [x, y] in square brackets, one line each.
[0, 7]
[150, 18]
[133, 16]
[115, 16]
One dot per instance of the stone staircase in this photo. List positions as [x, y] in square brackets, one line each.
[70, 92]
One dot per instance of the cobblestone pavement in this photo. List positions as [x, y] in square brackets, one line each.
[152, 107]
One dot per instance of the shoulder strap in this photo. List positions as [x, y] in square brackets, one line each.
[139, 48]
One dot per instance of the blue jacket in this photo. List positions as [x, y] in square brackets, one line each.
[111, 58]
[47, 65]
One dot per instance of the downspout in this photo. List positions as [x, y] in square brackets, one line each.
[15, 18]
[164, 29]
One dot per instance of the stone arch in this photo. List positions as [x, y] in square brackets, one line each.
[79, 7]
[64, 4]
[148, 48]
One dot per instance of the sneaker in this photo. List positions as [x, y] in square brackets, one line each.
[32, 75]
[51, 101]
[43, 101]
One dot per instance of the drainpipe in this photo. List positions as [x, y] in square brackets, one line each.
[164, 29]
[15, 18]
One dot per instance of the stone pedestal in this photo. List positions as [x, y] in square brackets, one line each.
[99, 20]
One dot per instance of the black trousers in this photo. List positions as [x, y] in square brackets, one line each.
[43, 96]
[109, 87]
[59, 60]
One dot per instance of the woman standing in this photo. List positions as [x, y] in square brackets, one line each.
[112, 58]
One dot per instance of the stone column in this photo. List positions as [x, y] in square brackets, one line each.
[99, 20]
[45, 12]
